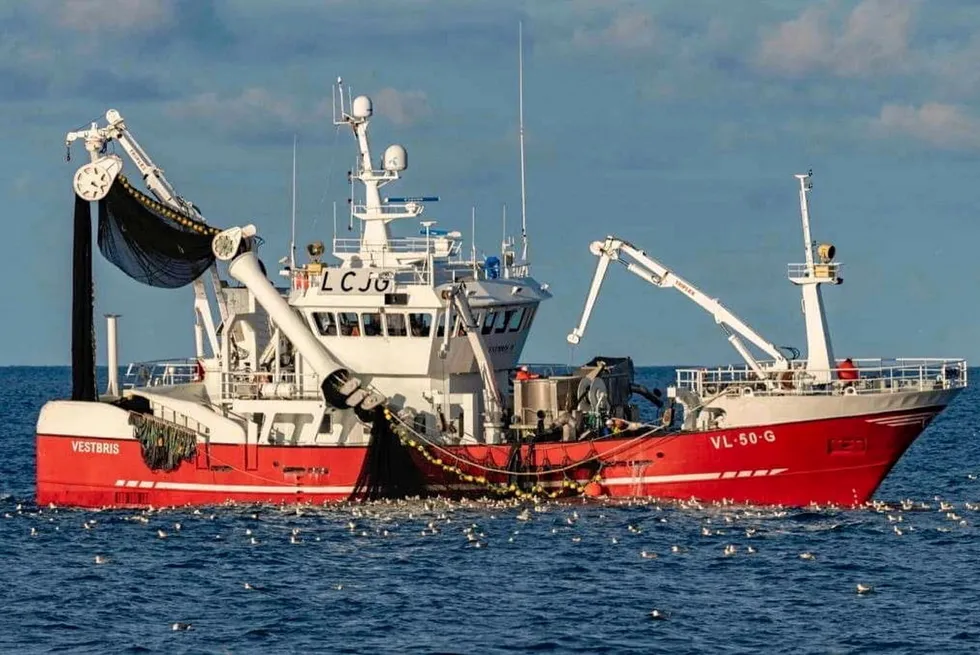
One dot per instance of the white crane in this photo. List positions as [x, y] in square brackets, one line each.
[92, 182]
[647, 268]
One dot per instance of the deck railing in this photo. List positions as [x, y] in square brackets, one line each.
[161, 372]
[829, 270]
[870, 376]
[168, 415]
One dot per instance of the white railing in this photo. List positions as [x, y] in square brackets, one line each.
[440, 245]
[262, 385]
[164, 413]
[454, 270]
[830, 270]
[161, 372]
[390, 209]
[869, 376]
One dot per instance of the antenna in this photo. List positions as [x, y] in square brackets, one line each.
[503, 238]
[292, 241]
[520, 84]
[473, 237]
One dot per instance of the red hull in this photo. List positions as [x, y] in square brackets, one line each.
[839, 460]
[114, 475]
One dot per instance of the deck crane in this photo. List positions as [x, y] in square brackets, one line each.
[92, 182]
[647, 268]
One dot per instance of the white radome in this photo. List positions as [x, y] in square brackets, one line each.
[362, 107]
[395, 159]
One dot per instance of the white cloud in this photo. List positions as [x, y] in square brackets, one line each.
[254, 109]
[940, 125]
[402, 107]
[874, 38]
[112, 15]
[626, 30]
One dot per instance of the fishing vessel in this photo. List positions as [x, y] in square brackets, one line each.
[392, 370]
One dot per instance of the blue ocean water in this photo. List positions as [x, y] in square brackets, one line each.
[409, 577]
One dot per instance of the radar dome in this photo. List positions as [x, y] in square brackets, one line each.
[396, 159]
[362, 107]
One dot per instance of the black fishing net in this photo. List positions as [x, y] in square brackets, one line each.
[151, 242]
[388, 470]
[83, 307]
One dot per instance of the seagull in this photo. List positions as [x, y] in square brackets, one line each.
[659, 615]
[161, 534]
[181, 626]
[808, 556]
[645, 555]
[99, 559]
[864, 588]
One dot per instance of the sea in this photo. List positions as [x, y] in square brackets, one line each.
[436, 576]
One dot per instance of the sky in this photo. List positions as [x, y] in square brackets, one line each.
[676, 125]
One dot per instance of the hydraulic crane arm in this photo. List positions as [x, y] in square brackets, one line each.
[96, 139]
[456, 299]
[647, 268]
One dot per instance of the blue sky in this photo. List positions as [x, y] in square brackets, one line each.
[676, 125]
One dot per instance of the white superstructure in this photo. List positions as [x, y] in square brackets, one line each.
[413, 320]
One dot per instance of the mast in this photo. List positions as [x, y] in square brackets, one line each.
[809, 276]
[520, 95]
[473, 238]
[292, 241]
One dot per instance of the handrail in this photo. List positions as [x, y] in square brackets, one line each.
[868, 375]
[176, 418]
[161, 372]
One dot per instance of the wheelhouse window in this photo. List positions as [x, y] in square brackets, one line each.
[420, 324]
[396, 325]
[326, 323]
[528, 316]
[372, 324]
[514, 322]
[500, 323]
[488, 322]
[349, 326]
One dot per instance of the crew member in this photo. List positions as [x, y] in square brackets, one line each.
[847, 370]
[524, 374]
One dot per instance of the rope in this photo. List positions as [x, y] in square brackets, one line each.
[165, 211]
[490, 469]
[413, 439]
